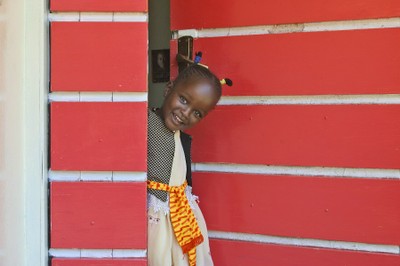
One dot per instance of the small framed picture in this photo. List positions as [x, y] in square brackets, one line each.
[160, 65]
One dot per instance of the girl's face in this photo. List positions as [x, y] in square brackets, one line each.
[185, 105]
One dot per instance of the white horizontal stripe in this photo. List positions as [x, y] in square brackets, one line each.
[65, 253]
[189, 32]
[106, 176]
[67, 16]
[76, 96]
[129, 176]
[84, 96]
[290, 28]
[130, 96]
[96, 176]
[297, 170]
[95, 96]
[97, 253]
[311, 99]
[70, 176]
[98, 16]
[129, 253]
[130, 17]
[64, 96]
[305, 242]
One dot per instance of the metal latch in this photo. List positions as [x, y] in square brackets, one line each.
[185, 52]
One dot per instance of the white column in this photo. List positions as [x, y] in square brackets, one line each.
[23, 132]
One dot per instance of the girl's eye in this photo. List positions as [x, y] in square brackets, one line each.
[197, 114]
[183, 100]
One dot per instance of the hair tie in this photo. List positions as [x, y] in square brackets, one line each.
[198, 57]
[226, 81]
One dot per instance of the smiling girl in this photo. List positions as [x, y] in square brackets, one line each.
[177, 233]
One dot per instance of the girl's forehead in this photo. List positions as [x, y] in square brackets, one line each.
[201, 93]
[193, 83]
[196, 87]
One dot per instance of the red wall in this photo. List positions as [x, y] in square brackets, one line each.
[239, 41]
[101, 137]
[224, 13]
[308, 63]
[98, 56]
[105, 136]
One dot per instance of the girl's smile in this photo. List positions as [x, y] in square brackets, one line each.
[177, 120]
[185, 105]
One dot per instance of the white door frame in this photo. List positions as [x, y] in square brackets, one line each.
[36, 86]
[36, 130]
[24, 79]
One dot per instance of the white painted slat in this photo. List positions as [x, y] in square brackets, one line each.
[129, 253]
[69, 176]
[65, 253]
[105, 176]
[311, 99]
[98, 16]
[290, 28]
[64, 96]
[66, 16]
[233, 100]
[97, 96]
[130, 17]
[97, 253]
[298, 170]
[119, 176]
[305, 242]
[130, 96]
[96, 176]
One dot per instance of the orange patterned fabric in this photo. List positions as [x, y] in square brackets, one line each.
[183, 221]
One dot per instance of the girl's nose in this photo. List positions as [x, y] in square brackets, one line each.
[185, 113]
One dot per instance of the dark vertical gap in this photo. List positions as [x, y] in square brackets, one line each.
[159, 37]
[48, 135]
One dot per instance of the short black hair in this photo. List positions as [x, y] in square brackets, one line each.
[193, 72]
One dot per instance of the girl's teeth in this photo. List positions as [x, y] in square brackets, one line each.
[179, 120]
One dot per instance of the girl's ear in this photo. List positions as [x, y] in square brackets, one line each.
[168, 88]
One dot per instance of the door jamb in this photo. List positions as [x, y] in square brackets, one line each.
[35, 127]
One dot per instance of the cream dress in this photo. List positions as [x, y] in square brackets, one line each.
[163, 248]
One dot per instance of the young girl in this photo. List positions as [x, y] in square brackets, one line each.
[177, 233]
